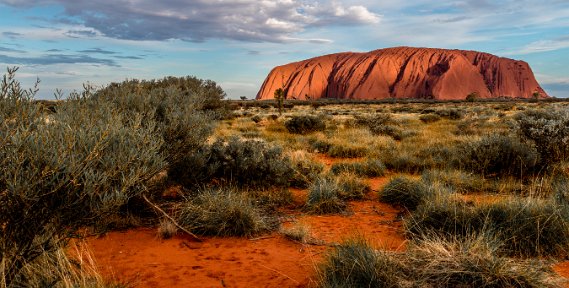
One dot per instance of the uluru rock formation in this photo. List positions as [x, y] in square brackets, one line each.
[403, 72]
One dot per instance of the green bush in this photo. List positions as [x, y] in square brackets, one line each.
[182, 111]
[324, 197]
[305, 124]
[499, 155]
[548, 130]
[405, 192]
[62, 171]
[221, 213]
[242, 162]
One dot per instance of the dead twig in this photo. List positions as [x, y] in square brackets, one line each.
[196, 238]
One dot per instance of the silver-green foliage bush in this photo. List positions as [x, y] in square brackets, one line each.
[64, 170]
[241, 162]
[549, 132]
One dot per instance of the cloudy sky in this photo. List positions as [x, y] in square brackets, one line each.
[236, 42]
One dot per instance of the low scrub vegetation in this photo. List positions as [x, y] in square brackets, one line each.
[241, 162]
[305, 124]
[324, 197]
[222, 213]
[531, 227]
[432, 262]
[405, 192]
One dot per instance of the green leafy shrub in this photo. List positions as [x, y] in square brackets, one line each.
[221, 213]
[501, 155]
[324, 197]
[405, 192]
[305, 124]
[243, 162]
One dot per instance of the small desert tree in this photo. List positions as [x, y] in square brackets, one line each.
[280, 96]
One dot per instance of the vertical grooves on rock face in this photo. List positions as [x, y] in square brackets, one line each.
[367, 73]
[400, 74]
[404, 72]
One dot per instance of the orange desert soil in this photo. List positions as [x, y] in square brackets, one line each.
[139, 258]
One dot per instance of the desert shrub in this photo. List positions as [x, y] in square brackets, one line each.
[242, 162]
[182, 109]
[369, 168]
[530, 227]
[221, 213]
[445, 218]
[351, 186]
[320, 146]
[67, 266]
[472, 262]
[346, 151]
[467, 127]
[205, 94]
[324, 197]
[452, 113]
[429, 118]
[305, 170]
[501, 155]
[457, 181]
[382, 124]
[305, 124]
[548, 130]
[85, 163]
[355, 263]
[405, 192]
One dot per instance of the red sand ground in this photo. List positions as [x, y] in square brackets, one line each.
[139, 259]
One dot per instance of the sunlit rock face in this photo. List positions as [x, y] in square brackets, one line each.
[403, 72]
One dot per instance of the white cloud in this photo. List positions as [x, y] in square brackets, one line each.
[200, 20]
[543, 46]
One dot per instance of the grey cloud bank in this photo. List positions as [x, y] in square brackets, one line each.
[200, 20]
